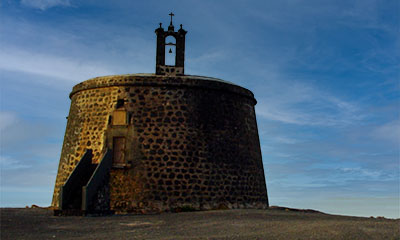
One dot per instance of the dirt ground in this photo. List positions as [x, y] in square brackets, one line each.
[37, 223]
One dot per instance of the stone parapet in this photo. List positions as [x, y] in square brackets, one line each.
[189, 81]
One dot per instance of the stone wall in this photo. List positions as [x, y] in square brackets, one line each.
[194, 142]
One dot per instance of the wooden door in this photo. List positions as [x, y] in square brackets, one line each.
[119, 150]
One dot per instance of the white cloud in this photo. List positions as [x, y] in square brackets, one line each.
[8, 163]
[389, 132]
[209, 56]
[65, 53]
[16, 132]
[69, 69]
[298, 103]
[45, 4]
[7, 119]
[285, 140]
[361, 172]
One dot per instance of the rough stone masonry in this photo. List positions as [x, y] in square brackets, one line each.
[173, 141]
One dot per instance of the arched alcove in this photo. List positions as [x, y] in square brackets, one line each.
[170, 51]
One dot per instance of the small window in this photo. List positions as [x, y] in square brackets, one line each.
[120, 103]
[119, 117]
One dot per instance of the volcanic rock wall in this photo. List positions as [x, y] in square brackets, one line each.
[190, 142]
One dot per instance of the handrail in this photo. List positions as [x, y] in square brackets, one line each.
[98, 179]
[75, 179]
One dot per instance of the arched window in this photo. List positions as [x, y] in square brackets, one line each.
[170, 50]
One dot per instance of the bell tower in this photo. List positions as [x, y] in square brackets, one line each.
[178, 69]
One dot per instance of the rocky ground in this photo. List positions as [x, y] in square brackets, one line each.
[275, 223]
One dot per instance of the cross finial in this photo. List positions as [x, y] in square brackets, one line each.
[171, 14]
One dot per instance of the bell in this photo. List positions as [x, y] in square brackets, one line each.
[170, 50]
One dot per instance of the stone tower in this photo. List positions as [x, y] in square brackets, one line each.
[143, 143]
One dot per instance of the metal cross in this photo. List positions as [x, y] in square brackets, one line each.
[171, 14]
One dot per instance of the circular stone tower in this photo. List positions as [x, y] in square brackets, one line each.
[158, 142]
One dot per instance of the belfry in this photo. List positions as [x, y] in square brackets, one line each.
[146, 143]
[178, 68]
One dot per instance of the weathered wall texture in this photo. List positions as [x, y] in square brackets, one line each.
[192, 142]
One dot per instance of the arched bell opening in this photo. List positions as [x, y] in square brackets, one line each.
[170, 51]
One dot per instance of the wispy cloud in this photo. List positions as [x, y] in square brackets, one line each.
[324, 74]
[7, 119]
[28, 156]
[51, 66]
[285, 140]
[8, 163]
[389, 132]
[17, 133]
[365, 173]
[45, 54]
[45, 4]
[302, 104]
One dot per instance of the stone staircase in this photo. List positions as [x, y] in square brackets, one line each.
[86, 190]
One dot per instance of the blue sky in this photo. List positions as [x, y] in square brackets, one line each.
[325, 74]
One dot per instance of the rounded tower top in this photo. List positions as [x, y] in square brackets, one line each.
[148, 79]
